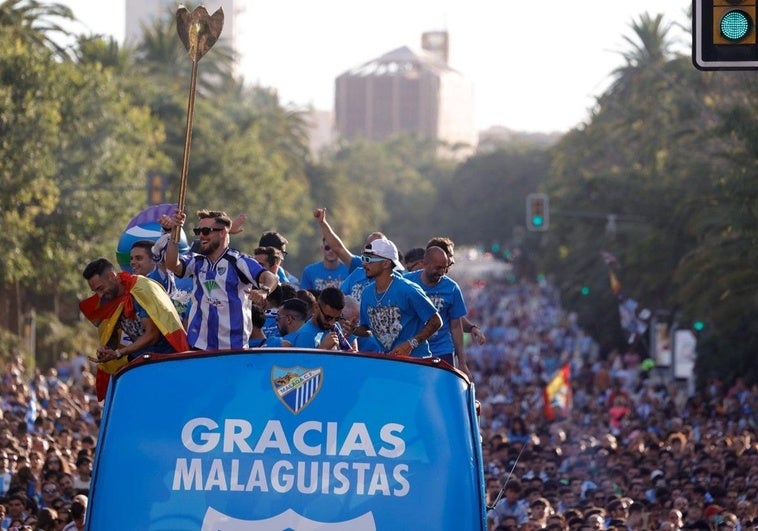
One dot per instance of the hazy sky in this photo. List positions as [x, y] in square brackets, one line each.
[536, 65]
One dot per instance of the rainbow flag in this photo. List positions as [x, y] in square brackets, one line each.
[557, 394]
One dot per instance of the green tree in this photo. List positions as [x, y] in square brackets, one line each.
[37, 24]
[106, 52]
[29, 121]
[671, 152]
[485, 198]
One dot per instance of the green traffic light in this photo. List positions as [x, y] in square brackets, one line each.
[585, 290]
[698, 326]
[537, 221]
[735, 25]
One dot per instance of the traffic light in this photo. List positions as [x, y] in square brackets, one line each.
[537, 212]
[724, 35]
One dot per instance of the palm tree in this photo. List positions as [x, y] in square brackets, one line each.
[35, 23]
[105, 51]
[649, 51]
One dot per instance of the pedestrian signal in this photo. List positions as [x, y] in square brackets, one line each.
[724, 35]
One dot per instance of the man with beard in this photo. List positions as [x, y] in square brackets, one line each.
[395, 310]
[133, 314]
[323, 329]
[446, 295]
[220, 315]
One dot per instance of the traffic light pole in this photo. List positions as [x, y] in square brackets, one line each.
[611, 220]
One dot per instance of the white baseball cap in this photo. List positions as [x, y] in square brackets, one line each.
[384, 248]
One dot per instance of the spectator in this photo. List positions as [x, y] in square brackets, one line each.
[46, 519]
[83, 475]
[15, 503]
[512, 505]
[5, 472]
[78, 512]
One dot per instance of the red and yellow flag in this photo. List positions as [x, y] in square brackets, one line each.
[105, 316]
[557, 394]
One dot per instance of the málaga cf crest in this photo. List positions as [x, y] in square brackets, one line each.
[296, 386]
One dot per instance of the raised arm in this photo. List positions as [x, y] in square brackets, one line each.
[331, 238]
[172, 251]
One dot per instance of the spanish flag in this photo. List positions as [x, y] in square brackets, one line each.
[105, 316]
[557, 394]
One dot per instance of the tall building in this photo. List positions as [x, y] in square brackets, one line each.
[141, 12]
[408, 91]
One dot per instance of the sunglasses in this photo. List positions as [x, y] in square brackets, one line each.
[205, 231]
[49, 491]
[327, 317]
[371, 259]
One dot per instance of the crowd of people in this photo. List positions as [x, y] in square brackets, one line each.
[635, 451]
[631, 451]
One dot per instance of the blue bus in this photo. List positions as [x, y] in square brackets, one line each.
[287, 439]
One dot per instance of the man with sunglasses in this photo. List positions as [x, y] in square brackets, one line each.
[355, 282]
[290, 317]
[323, 330]
[395, 310]
[329, 271]
[226, 284]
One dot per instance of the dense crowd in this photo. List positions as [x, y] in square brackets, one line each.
[634, 451]
[48, 436]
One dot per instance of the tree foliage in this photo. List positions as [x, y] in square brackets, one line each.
[671, 153]
[662, 176]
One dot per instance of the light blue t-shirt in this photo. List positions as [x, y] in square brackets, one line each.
[355, 282]
[355, 263]
[285, 277]
[366, 344]
[308, 336]
[270, 328]
[317, 276]
[397, 315]
[447, 297]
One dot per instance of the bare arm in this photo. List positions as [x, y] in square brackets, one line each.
[172, 251]
[150, 337]
[456, 330]
[267, 282]
[362, 331]
[430, 327]
[331, 238]
[474, 330]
